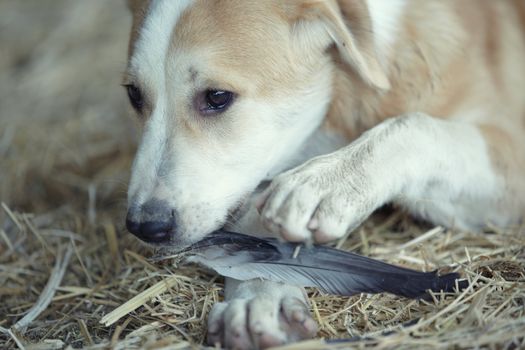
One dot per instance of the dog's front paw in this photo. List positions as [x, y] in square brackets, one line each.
[260, 322]
[319, 201]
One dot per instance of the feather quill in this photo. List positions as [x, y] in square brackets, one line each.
[334, 271]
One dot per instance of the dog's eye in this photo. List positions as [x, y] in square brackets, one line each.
[135, 97]
[218, 99]
[214, 101]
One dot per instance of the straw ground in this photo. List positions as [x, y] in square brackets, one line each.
[66, 262]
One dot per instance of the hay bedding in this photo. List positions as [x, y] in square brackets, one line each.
[66, 261]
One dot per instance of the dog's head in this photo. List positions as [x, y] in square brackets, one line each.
[228, 91]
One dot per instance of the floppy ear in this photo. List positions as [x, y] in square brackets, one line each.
[349, 27]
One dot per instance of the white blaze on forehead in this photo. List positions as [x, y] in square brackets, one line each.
[148, 65]
[152, 45]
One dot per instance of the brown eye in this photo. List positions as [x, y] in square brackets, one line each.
[216, 101]
[135, 97]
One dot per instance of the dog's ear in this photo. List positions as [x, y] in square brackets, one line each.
[349, 27]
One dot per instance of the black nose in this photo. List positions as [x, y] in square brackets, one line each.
[153, 222]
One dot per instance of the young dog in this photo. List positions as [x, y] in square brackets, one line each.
[420, 103]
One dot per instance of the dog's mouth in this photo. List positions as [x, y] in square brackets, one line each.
[173, 250]
[234, 214]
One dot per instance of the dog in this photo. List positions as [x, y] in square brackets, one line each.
[344, 105]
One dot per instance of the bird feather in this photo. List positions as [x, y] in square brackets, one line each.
[334, 271]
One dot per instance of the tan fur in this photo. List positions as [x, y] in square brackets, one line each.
[443, 80]
[479, 63]
[201, 28]
[450, 58]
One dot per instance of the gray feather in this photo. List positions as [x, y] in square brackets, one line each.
[334, 271]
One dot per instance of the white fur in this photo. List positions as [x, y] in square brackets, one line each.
[202, 180]
[148, 65]
[386, 17]
[439, 169]
[260, 312]
[213, 176]
[151, 48]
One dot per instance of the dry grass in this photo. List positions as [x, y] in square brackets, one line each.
[65, 151]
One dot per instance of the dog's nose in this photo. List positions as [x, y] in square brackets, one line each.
[153, 222]
[150, 231]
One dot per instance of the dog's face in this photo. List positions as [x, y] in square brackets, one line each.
[228, 92]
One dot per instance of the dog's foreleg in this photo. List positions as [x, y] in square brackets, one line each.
[439, 169]
[260, 314]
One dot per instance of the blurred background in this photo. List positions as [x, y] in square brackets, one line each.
[64, 129]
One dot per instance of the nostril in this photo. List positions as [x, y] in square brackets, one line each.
[155, 232]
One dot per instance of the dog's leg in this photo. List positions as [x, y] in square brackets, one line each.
[440, 169]
[260, 314]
